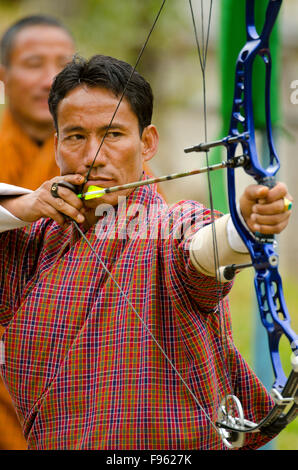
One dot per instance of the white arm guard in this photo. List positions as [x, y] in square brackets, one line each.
[230, 247]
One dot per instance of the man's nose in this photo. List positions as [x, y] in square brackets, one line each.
[94, 152]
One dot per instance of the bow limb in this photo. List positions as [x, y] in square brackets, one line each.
[268, 285]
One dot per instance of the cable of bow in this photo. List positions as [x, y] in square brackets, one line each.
[268, 285]
[231, 424]
[83, 196]
[136, 184]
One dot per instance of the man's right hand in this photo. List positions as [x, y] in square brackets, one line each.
[40, 203]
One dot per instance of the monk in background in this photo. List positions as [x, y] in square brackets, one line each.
[33, 51]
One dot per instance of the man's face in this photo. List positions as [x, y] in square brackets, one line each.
[39, 53]
[84, 116]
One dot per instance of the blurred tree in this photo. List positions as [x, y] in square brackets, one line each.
[11, 2]
[120, 28]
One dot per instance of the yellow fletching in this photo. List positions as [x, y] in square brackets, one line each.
[92, 189]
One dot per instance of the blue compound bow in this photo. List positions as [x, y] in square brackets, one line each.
[268, 284]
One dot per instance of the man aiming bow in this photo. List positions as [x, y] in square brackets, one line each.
[84, 371]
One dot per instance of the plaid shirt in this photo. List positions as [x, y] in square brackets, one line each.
[83, 371]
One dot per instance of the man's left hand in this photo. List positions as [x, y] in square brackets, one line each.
[264, 210]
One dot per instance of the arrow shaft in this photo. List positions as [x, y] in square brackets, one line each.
[160, 179]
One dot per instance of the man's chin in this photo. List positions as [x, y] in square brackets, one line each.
[92, 204]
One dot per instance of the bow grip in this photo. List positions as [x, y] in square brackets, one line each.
[270, 182]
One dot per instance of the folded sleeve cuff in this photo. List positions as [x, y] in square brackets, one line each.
[7, 220]
[202, 250]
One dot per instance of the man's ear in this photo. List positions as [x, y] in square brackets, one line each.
[150, 139]
[56, 148]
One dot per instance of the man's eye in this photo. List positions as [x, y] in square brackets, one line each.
[75, 137]
[114, 134]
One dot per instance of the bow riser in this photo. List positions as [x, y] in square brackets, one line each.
[267, 279]
[268, 285]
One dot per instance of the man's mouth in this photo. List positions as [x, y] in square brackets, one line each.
[102, 181]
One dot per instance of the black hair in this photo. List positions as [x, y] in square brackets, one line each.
[109, 73]
[8, 38]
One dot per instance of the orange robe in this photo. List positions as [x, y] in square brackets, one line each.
[25, 164]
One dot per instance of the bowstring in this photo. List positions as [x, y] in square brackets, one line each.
[202, 49]
[170, 362]
[174, 368]
[125, 87]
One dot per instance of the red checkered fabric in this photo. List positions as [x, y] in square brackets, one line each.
[83, 371]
